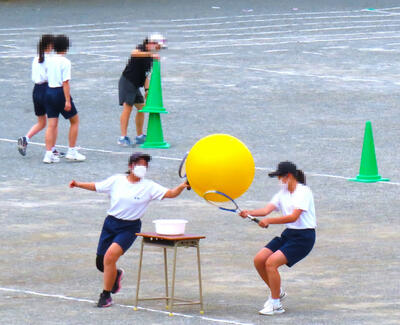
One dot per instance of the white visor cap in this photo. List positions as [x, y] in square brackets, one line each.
[159, 39]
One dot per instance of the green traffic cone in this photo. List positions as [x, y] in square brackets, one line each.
[154, 101]
[154, 106]
[368, 167]
[154, 137]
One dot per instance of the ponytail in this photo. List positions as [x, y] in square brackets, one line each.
[300, 177]
[142, 47]
[45, 41]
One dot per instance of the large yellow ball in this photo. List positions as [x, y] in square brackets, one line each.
[220, 162]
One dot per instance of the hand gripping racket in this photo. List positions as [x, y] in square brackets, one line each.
[225, 202]
[182, 170]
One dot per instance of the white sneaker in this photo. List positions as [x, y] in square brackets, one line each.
[282, 296]
[74, 155]
[50, 158]
[271, 309]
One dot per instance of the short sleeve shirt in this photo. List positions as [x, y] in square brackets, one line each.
[58, 70]
[39, 70]
[302, 198]
[128, 201]
[137, 70]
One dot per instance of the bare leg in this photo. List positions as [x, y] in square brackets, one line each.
[73, 130]
[51, 133]
[274, 279]
[259, 262]
[39, 126]
[111, 257]
[124, 119]
[139, 119]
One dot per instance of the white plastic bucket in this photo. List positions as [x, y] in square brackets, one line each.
[170, 226]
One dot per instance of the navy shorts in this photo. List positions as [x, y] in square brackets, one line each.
[38, 96]
[129, 93]
[55, 103]
[295, 244]
[122, 232]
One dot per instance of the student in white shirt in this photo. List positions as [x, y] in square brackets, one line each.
[59, 101]
[129, 197]
[39, 77]
[296, 203]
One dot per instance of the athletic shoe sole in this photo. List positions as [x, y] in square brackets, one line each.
[106, 305]
[119, 282]
[274, 312]
[22, 146]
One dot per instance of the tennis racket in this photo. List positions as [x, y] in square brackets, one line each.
[225, 203]
[182, 170]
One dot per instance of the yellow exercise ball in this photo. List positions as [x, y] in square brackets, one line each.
[220, 162]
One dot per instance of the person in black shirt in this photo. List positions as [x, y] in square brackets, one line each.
[135, 76]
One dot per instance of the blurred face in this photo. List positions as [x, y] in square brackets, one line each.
[139, 168]
[153, 46]
[284, 179]
[49, 48]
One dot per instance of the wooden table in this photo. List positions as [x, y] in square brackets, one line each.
[172, 242]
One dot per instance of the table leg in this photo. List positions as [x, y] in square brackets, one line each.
[166, 276]
[171, 301]
[139, 272]
[200, 286]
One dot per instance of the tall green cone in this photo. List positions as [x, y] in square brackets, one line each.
[154, 101]
[154, 106]
[154, 137]
[368, 167]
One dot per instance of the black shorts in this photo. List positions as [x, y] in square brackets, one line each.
[295, 244]
[38, 96]
[129, 93]
[122, 232]
[55, 103]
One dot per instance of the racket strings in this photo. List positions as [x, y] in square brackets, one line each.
[220, 201]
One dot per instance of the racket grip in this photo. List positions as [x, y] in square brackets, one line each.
[253, 219]
[188, 188]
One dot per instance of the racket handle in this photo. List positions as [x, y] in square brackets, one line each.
[253, 219]
[188, 188]
[257, 221]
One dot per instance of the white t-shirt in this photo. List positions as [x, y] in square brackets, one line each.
[39, 70]
[58, 70]
[129, 200]
[302, 198]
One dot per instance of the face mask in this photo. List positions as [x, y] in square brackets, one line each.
[283, 186]
[139, 171]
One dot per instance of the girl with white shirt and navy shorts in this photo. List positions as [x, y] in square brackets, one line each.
[129, 197]
[39, 77]
[59, 101]
[296, 203]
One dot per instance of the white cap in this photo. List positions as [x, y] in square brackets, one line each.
[159, 39]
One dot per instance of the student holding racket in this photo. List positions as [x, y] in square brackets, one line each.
[295, 201]
[129, 195]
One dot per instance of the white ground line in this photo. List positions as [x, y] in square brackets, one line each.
[305, 41]
[290, 73]
[269, 20]
[63, 26]
[298, 38]
[281, 25]
[289, 14]
[46, 295]
[179, 159]
[310, 30]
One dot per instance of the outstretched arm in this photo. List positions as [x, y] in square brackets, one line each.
[171, 193]
[258, 212]
[85, 186]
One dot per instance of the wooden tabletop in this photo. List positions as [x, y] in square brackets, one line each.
[169, 237]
